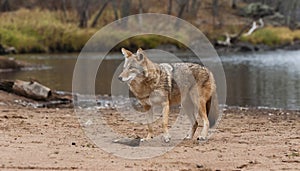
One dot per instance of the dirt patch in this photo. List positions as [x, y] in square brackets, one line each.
[52, 139]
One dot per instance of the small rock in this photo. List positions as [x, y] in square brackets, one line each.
[73, 143]
[257, 10]
[88, 123]
[133, 142]
[199, 166]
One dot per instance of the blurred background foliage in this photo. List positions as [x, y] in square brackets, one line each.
[35, 26]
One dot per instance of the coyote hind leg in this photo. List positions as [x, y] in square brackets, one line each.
[200, 102]
[188, 108]
[203, 115]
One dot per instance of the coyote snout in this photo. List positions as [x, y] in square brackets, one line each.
[161, 85]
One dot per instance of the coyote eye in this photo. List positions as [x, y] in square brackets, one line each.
[131, 67]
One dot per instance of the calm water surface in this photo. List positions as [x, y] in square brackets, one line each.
[269, 79]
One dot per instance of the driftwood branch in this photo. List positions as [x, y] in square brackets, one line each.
[99, 13]
[227, 41]
[255, 27]
[232, 38]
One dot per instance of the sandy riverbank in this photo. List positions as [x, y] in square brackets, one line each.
[52, 139]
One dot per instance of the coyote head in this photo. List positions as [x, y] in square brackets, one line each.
[135, 65]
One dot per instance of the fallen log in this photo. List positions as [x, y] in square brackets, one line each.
[32, 89]
[227, 42]
[36, 91]
[233, 39]
[7, 50]
[6, 85]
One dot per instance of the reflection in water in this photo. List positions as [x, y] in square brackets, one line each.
[268, 79]
[58, 74]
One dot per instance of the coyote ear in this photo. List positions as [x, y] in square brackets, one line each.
[126, 53]
[140, 50]
[140, 54]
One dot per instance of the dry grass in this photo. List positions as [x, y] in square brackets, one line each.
[273, 36]
[51, 32]
[41, 31]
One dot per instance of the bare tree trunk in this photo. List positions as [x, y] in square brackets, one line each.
[195, 7]
[182, 4]
[99, 13]
[115, 8]
[170, 4]
[64, 8]
[140, 6]
[277, 5]
[125, 11]
[187, 8]
[84, 14]
[233, 4]
[5, 6]
[287, 11]
[140, 12]
[293, 17]
[215, 11]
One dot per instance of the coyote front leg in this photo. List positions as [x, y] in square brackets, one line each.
[159, 100]
[157, 109]
[149, 118]
[149, 124]
[165, 112]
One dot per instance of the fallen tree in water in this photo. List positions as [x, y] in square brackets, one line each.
[38, 92]
[7, 50]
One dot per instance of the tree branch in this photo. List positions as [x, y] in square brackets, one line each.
[255, 27]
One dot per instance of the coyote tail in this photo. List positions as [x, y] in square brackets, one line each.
[212, 109]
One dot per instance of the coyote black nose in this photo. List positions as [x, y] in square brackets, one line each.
[120, 78]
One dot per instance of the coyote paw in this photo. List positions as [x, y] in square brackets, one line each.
[201, 139]
[149, 137]
[167, 138]
[191, 132]
[188, 137]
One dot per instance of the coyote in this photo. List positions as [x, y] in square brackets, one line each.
[158, 86]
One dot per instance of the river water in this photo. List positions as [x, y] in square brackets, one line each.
[267, 79]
